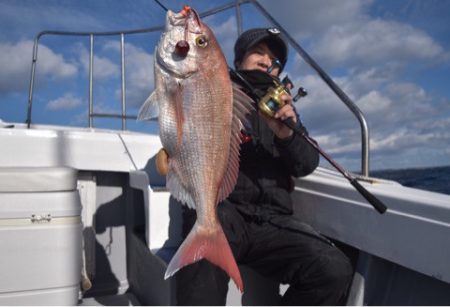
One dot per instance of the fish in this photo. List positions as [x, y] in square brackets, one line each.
[200, 114]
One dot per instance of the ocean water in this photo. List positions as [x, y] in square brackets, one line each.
[436, 179]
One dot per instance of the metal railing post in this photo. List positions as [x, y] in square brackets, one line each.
[31, 86]
[91, 80]
[122, 53]
[238, 17]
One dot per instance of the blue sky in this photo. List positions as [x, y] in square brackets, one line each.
[391, 57]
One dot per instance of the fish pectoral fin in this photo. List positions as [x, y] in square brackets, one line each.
[242, 106]
[210, 245]
[149, 108]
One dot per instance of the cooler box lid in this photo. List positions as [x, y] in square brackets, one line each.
[37, 179]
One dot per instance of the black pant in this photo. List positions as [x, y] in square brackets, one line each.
[281, 248]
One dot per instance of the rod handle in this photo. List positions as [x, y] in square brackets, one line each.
[375, 202]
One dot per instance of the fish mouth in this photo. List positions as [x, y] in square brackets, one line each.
[170, 70]
[175, 19]
[188, 19]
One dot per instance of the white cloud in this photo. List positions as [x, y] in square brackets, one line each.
[66, 102]
[321, 110]
[337, 143]
[342, 32]
[404, 140]
[103, 67]
[226, 35]
[371, 56]
[373, 102]
[15, 64]
[405, 121]
[308, 17]
[139, 72]
[376, 42]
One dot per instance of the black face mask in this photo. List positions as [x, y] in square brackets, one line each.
[256, 82]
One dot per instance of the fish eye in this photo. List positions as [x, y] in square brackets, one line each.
[201, 41]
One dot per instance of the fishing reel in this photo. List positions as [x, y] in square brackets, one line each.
[272, 101]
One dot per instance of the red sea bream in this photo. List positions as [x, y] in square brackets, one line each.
[200, 124]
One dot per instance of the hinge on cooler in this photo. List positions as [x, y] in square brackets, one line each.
[37, 218]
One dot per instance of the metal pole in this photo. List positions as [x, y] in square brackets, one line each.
[91, 80]
[238, 17]
[122, 52]
[344, 98]
[31, 87]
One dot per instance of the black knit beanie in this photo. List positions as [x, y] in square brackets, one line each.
[271, 36]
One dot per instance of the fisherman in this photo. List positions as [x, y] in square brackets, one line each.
[257, 217]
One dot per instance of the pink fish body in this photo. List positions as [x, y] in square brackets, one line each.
[200, 125]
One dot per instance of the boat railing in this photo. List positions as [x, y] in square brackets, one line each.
[91, 114]
[234, 4]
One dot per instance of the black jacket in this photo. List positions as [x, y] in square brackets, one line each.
[266, 169]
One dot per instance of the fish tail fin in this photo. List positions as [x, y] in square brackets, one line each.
[210, 245]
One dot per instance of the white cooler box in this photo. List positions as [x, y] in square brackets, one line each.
[40, 236]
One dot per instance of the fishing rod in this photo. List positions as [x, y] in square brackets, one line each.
[374, 201]
[161, 5]
[270, 102]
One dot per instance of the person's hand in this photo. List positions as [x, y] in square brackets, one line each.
[162, 162]
[287, 111]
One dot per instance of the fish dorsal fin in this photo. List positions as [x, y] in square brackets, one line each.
[242, 106]
[149, 108]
